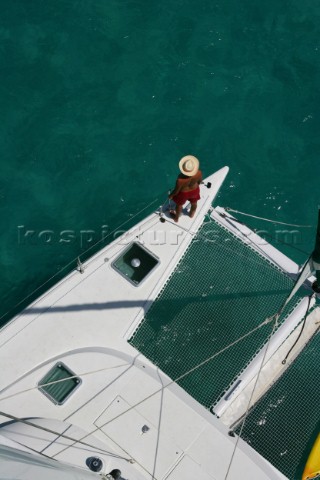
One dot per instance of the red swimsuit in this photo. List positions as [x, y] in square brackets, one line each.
[182, 197]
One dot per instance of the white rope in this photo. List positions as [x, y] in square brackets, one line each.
[228, 209]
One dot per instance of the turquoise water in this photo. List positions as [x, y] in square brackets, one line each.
[99, 101]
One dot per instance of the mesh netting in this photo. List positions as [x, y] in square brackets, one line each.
[221, 290]
[286, 421]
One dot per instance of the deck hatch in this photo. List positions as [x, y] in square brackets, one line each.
[59, 392]
[135, 263]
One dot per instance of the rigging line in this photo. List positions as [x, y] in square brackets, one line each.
[56, 440]
[251, 397]
[103, 389]
[72, 261]
[207, 240]
[269, 235]
[265, 322]
[293, 289]
[284, 361]
[171, 382]
[289, 245]
[272, 238]
[228, 209]
[276, 318]
[59, 381]
[202, 236]
[262, 252]
[33, 450]
[93, 447]
[265, 254]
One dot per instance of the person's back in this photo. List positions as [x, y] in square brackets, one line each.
[187, 186]
[189, 183]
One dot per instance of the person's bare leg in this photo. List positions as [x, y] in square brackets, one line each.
[177, 214]
[193, 209]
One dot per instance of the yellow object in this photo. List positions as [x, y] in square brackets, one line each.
[312, 468]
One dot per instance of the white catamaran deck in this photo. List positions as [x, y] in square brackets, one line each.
[123, 404]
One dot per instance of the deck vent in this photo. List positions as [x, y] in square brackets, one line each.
[135, 263]
[66, 380]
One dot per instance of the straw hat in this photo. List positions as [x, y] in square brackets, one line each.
[189, 165]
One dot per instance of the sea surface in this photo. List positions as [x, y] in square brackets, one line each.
[100, 99]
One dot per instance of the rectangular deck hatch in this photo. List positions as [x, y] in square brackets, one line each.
[59, 392]
[135, 263]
